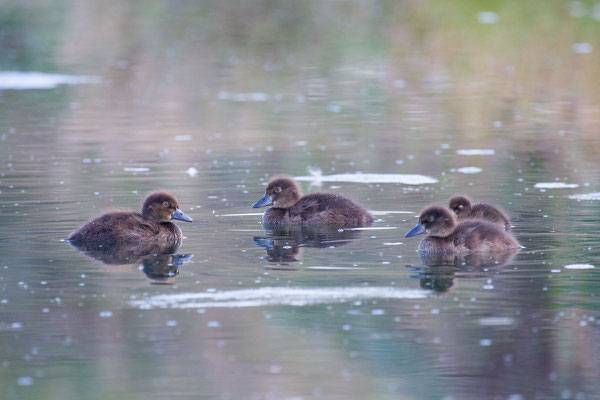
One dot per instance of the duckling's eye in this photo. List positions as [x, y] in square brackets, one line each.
[430, 218]
[277, 189]
[166, 203]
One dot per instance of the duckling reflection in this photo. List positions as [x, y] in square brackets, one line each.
[474, 260]
[438, 275]
[439, 279]
[157, 260]
[284, 245]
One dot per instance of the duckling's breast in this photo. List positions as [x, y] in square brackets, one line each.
[275, 217]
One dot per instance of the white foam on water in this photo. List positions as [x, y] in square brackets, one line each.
[18, 80]
[393, 243]
[240, 214]
[371, 228]
[487, 17]
[555, 185]
[476, 152]
[191, 171]
[253, 96]
[582, 48]
[585, 196]
[496, 321]
[332, 268]
[268, 296]
[579, 266]
[136, 169]
[358, 177]
[469, 170]
[390, 212]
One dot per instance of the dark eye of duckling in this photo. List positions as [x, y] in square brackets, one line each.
[277, 189]
[166, 204]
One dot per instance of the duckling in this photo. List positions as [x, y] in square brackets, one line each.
[153, 224]
[464, 209]
[446, 235]
[317, 209]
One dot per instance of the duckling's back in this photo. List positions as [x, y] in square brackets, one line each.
[124, 227]
[490, 213]
[329, 209]
[483, 236]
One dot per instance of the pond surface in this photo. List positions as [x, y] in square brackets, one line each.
[393, 104]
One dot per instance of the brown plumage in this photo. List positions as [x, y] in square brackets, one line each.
[318, 209]
[153, 224]
[446, 235]
[464, 209]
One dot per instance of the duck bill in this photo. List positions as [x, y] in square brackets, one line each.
[181, 216]
[263, 202]
[417, 230]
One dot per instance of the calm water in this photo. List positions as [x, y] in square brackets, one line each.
[207, 101]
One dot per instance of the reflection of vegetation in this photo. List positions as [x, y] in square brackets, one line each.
[29, 35]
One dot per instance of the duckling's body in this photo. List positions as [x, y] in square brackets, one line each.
[465, 209]
[316, 209]
[152, 225]
[446, 235]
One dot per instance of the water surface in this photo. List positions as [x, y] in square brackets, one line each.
[393, 104]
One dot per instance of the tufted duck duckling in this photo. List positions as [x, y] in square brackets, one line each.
[464, 209]
[153, 224]
[290, 207]
[445, 235]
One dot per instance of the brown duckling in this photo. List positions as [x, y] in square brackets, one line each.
[464, 209]
[317, 209]
[446, 235]
[153, 224]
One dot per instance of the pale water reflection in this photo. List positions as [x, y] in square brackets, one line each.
[397, 104]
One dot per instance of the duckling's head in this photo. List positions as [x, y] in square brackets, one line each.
[437, 221]
[281, 192]
[460, 205]
[162, 207]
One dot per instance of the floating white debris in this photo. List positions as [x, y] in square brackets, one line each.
[371, 228]
[476, 152]
[25, 381]
[105, 314]
[390, 212]
[469, 170]
[17, 80]
[585, 196]
[393, 243]
[487, 17]
[555, 185]
[485, 342]
[265, 296]
[582, 48]
[406, 179]
[496, 321]
[183, 138]
[334, 108]
[191, 171]
[332, 268]
[579, 266]
[240, 215]
[253, 96]
[136, 169]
